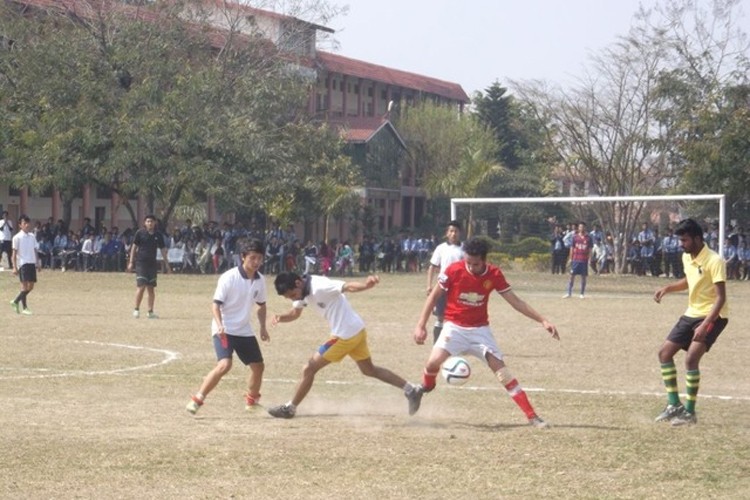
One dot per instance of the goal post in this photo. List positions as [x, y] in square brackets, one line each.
[721, 198]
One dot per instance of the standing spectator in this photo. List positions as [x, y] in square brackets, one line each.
[366, 255]
[232, 329]
[6, 238]
[87, 252]
[609, 248]
[445, 254]
[731, 259]
[598, 257]
[744, 253]
[25, 263]
[647, 256]
[311, 257]
[348, 334]
[344, 258]
[671, 250]
[146, 242]
[579, 259]
[467, 285]
[701, 324]
[558, 251]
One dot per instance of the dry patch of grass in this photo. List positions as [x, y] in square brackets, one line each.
[93, 405]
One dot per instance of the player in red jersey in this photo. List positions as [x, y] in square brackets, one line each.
[467, 285]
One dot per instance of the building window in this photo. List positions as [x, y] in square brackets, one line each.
[12, 191]
[356, 89]
[103, 192]
[370, 91]
[341, 86]
[384, 94]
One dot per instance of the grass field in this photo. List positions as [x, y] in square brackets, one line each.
[93, 401]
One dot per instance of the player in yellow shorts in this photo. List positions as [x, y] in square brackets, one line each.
[348, 335]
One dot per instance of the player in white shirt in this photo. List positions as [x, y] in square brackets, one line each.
[445, 254]
[348, 334]
[232, 329]
[25, 262]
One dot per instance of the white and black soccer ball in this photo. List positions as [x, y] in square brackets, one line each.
[456, 370]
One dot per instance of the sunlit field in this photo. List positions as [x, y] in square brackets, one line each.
[93, 400]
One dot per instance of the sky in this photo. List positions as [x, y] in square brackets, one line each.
[476, 42]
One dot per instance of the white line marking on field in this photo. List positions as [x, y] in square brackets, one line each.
[592, 392]
[169, 356]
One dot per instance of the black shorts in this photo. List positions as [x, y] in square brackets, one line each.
[145, 274]
[247, 349]
[682, 333]
[27, 273]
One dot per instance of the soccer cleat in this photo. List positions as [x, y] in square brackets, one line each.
[15, 306]
[136, 313]
[670, 412]
[152, 315]
[684, 418]
[282, 411]
[582, 296]
[536, 421]
[566, 296]
[26, 312]
[414, 395]
[194, 405]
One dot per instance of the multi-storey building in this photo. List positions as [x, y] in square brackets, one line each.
[355, 96]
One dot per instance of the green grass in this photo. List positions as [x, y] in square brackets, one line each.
[93, 408]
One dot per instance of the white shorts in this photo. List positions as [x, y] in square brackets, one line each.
[476, 341]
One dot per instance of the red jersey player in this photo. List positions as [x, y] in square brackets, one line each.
[467, 285]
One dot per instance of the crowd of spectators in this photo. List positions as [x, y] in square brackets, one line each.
[211, 248]
[650, 254]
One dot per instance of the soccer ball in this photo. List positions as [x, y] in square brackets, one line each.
[456, 370]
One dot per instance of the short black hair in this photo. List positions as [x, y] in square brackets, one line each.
[285, 282]
[455, 223]
[24, 218]
[252, 245]
[477, 247]
[689, 227]
[150, 216]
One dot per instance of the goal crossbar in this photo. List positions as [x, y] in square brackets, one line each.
[596, 199]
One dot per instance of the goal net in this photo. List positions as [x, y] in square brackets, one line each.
[621, 217]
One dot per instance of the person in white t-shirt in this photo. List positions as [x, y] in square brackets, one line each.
[445, 254]
[348, 334]
[25, 262]
[232, 329]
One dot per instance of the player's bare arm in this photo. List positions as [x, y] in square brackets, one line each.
[521, 306]
[262, 312]
[420, 331]
[358, 286]
[677, 286]
[293, 314]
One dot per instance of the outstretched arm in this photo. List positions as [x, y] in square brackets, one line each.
[359, 286]
[677, 286]
[521, 306]
[293, 314]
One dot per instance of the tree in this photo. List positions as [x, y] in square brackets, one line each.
[603, 132]
[153, 101]
[703, 99]
[452, 154]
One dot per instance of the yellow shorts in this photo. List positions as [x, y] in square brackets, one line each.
[335, 349]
